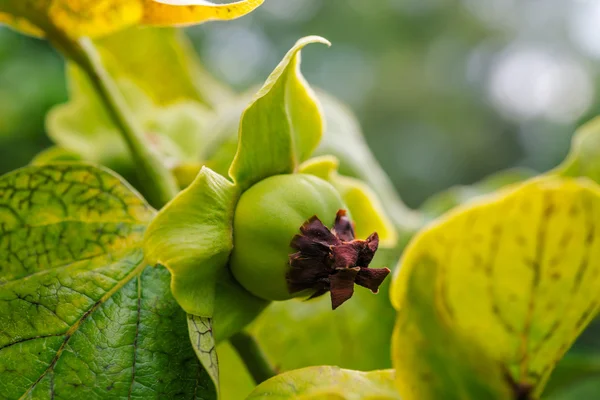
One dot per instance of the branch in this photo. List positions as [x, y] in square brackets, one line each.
[157, 182]
[257, 364]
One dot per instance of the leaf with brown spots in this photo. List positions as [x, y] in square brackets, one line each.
[493, 294]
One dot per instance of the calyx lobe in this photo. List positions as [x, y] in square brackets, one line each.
[332, 260]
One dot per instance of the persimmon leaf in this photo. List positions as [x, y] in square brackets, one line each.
[83, 126]
[190, 12]
[81, 313]
[493, 294]
[77, 18]
[283, 122]
[328, 383]
[162, 63]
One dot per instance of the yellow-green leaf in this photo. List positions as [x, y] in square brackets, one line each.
[367, 211]
[77, 18]
[84, 18]
[328, 383]
[189, 12]
[493, 294]
[162, 63]
[282, 126]
[83, 126]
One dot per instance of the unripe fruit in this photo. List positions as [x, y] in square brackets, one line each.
[281, 249]
[267, 217]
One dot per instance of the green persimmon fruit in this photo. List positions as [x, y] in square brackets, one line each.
[267, 217]
[282, 249]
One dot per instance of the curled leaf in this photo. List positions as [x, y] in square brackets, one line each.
[282, 126]
[492, 295]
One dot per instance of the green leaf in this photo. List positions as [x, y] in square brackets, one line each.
[343, 138]
[81, 314]
[162, 63]
[356, 336]
[192, 237]
[282, 126]
[492, 295]
[84, 127]
[457, 195]
[584, 157]
[364, 205]
[328, 383]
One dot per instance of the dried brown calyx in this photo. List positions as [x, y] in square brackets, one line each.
[333, 260]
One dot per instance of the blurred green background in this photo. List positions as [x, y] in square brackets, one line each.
[447, 91]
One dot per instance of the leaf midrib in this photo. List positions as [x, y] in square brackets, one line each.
[69, 333]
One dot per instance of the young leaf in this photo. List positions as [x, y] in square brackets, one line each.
[282, 126]
[81, 314]
[77, 18]
[328, 383]
[491, 296]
